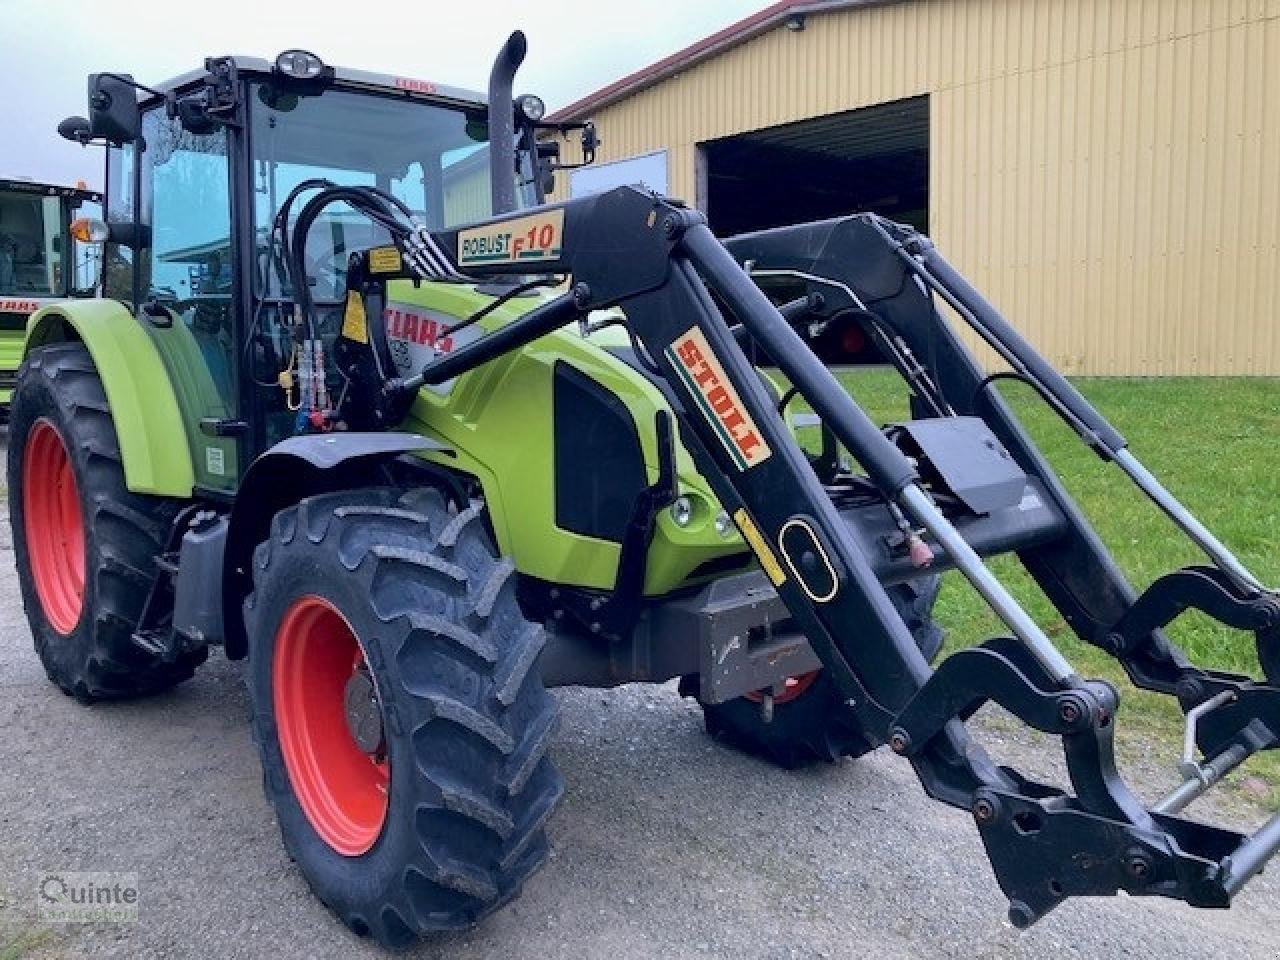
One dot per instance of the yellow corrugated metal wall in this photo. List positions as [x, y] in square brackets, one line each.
[1107, 171]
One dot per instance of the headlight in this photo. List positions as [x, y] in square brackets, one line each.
[724, 525]
[531, 108]
[681, 511]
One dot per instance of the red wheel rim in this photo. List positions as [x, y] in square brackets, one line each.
[792, 689]
[54, 526]
[342, 790]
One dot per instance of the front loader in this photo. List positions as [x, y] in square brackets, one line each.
[371, 414]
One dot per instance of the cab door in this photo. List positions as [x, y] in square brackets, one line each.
[185, 283]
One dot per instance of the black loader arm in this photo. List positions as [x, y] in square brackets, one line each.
[684, 294]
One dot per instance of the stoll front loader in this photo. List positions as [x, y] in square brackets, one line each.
[366, 412]
[39, 262]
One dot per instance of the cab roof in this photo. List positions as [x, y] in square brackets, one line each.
[347, 77]
[28, 185]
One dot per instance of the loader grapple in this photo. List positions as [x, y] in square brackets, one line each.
[962, 480]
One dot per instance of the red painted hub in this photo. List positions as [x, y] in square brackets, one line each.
[54, 526]
[794, 688]
[341, 788]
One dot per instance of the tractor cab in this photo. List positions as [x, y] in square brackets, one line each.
[40, 260]
[202, 175]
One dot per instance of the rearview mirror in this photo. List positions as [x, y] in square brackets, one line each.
[590, 142]
[113, 108]
[548, 160]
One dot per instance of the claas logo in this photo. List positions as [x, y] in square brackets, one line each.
[415, 328]
[701, 372]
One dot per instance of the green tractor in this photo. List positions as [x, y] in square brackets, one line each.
[360, 407]
[40, 261]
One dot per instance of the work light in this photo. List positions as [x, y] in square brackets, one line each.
[299, 64]
[531, 107]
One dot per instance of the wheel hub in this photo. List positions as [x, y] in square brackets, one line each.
[329, 726]
[363, 712]
[55, 529]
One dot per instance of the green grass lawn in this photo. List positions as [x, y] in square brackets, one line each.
[1215, 443]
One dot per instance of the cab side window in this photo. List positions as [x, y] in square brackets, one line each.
[30, 244]
[188, 268]
[117, 267]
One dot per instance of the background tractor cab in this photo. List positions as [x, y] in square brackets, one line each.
[40, 260]
[197, 172]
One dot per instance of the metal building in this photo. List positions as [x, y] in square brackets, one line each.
[1107, 170]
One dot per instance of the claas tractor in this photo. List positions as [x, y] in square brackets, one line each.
[40, 261]
[360, 407]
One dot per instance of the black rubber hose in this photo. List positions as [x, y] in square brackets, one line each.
[887, 466]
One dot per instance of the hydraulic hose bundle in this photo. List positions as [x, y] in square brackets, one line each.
[421, 253]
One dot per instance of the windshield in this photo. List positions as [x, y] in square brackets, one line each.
[434, 158]
[31, 244]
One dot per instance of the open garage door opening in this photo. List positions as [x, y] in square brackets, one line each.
[874, 159]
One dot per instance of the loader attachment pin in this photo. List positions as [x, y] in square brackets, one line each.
[766, 707]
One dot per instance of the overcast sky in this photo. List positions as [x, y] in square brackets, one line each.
[47, 48]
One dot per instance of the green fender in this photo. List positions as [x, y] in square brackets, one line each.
[143, 404]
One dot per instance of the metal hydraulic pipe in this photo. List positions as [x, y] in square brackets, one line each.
[1222, 557]
[887, 466]
[985, 319]
[918, 504]
[1251, 856]
[945, 280]
[1210, 774]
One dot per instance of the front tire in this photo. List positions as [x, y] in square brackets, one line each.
[85, 545]
[399, 715]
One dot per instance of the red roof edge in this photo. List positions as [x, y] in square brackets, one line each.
[706, 48]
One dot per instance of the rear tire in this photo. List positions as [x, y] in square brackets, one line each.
[85, 545]
[464, 719]
[810, 722]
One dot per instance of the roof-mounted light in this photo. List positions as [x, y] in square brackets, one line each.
[300, 65]
[531, 108]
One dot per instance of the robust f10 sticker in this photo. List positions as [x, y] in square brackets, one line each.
[523, 240]
[719, 401]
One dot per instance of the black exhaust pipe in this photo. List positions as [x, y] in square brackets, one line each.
[502, 122]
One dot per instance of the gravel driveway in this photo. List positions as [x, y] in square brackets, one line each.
[665, 846]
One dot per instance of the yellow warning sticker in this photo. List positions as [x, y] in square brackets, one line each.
[355, 325]
[764, 553]
[521, 240]
[384, 260]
